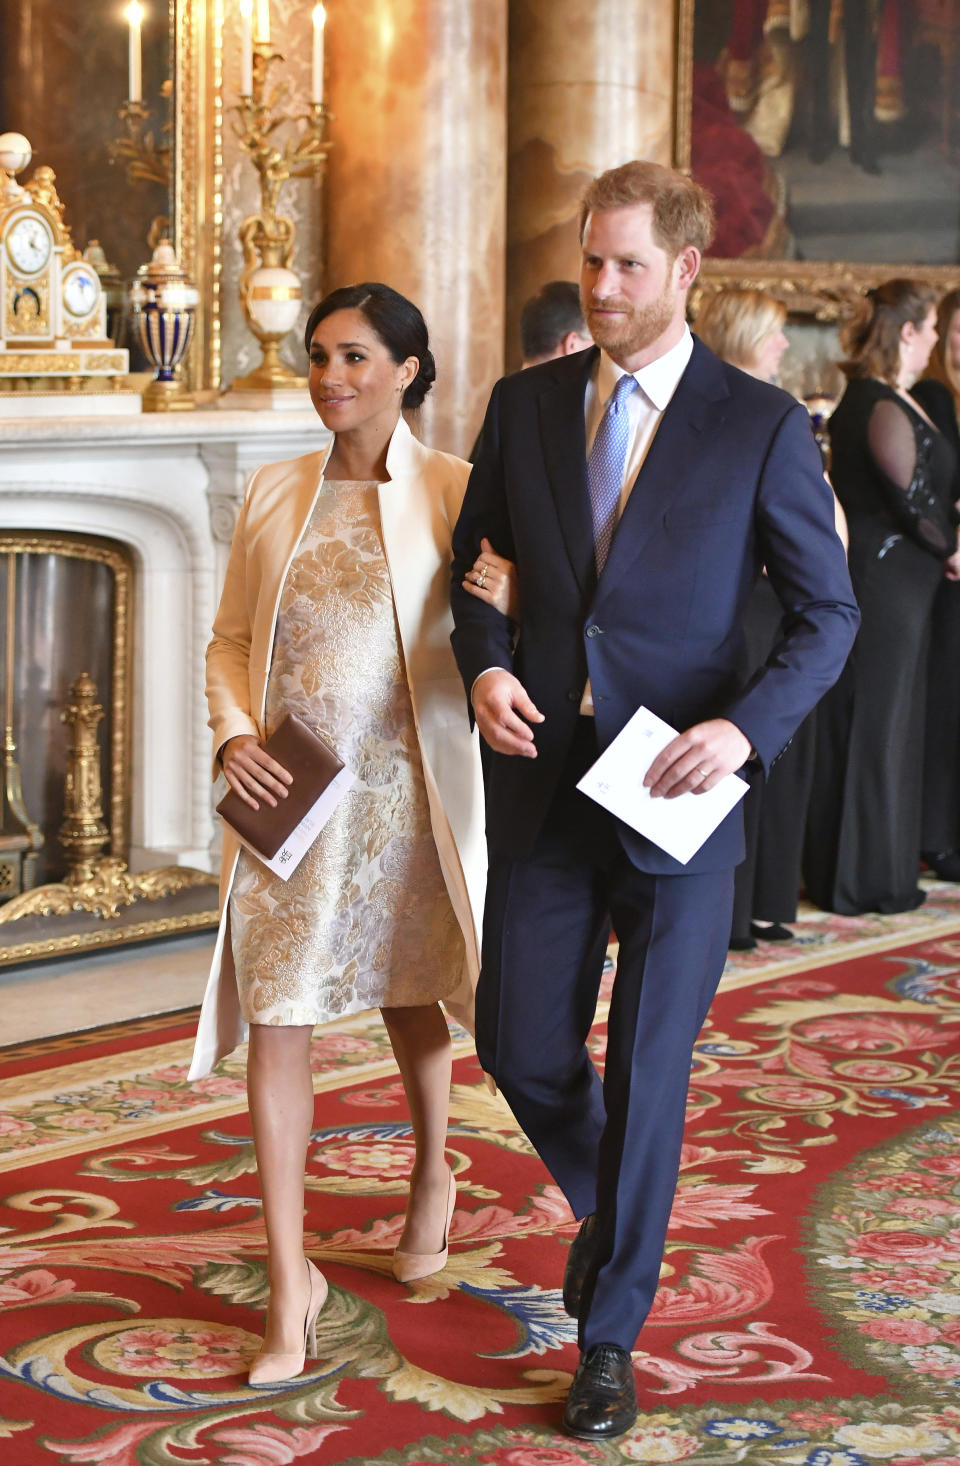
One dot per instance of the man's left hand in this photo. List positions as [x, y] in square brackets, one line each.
[695, 761]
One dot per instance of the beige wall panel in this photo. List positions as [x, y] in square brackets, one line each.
[417, 187]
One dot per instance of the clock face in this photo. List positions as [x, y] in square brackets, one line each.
[81, 291]
[29, 245]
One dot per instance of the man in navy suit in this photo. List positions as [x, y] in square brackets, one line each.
[639, 487]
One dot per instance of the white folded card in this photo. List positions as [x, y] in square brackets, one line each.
[679, 826]
[302, 836]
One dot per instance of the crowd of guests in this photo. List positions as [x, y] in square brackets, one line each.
[870, 784]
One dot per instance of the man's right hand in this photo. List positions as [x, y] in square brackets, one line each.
[252, 773]
[500, 705]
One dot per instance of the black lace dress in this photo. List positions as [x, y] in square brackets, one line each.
[893, 473]
[940, 827]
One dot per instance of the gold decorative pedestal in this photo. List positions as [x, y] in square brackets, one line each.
[167, 397]
[96, 886]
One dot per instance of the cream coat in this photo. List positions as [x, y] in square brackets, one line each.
[419, 505]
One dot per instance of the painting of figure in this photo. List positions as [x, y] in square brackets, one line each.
[829, 129]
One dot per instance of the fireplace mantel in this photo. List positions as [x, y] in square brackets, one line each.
[168, 487]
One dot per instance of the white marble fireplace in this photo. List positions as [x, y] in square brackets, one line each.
[168, 487]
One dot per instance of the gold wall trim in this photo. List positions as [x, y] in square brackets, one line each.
[108, 936]
[198, 175]
[683, 84]
[113, 555]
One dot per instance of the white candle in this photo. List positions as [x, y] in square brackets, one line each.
[263, 21]
[319, 20]
[246, 48]
[135, 83]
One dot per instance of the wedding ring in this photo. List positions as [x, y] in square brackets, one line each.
[482, 576]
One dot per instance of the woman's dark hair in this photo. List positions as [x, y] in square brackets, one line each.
[397, 322]
[872, 338]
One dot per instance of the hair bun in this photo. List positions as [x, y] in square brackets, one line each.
[422, 382]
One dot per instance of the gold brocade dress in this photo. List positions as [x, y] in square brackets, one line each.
[365, 920]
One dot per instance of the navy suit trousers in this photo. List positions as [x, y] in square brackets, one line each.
[612, 1147]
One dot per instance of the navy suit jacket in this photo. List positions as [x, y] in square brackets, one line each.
[731, 482]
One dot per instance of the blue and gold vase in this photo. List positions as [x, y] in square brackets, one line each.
[164, 305]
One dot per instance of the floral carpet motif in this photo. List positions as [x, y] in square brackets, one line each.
[808, 1313]
[892, 1239]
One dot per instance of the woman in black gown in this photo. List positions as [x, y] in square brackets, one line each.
[938, 393]
[893, 473]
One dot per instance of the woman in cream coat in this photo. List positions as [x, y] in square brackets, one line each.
[335, 606]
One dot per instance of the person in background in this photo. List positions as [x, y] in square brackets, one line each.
[552, 324]
[745, 328]
[893, 472]
[938, 393]
[334, 608]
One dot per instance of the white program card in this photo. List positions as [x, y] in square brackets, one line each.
[679, 826]
[302, 836]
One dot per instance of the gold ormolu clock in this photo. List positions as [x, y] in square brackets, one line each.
[53, 324]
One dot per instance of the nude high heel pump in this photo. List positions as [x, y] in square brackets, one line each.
[271, 1369]
[408, 1266]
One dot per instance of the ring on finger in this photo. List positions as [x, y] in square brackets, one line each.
[482, 576]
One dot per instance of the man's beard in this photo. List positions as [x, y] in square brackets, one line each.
[639, 328]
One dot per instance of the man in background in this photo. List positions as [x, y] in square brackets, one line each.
[552, 324]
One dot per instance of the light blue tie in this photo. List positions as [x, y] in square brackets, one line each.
[605, 467]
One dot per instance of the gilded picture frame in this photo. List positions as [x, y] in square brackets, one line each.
[825, 289]
[197, 29]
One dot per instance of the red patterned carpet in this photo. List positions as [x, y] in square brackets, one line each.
[809, 1310]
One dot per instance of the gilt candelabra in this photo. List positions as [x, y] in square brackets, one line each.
[270, 291]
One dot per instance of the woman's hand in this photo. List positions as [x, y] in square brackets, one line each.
[494, 580]
[252, 773]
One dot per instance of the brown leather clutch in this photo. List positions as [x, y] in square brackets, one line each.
[313, 765]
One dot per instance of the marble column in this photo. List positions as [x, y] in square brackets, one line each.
[416, 188]
[591, 86]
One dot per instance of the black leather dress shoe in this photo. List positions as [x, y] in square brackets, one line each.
[578, 1260]
[602, 1402]
[773, 931]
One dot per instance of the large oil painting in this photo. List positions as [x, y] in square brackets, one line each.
[829, 133]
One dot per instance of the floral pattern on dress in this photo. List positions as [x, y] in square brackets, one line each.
[365, 920]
